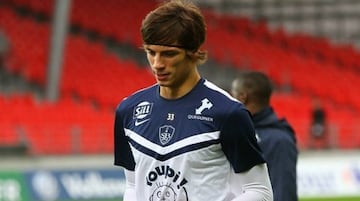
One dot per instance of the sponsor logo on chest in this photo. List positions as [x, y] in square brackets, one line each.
[141, 112]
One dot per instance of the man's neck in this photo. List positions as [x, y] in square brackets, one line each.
[178, 92]
[254, 108]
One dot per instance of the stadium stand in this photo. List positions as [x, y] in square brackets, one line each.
[94, 79]
[62, 128]
[85, 77]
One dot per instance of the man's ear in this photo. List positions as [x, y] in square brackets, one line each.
[243, 97]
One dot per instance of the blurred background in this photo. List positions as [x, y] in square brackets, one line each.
[66, 64]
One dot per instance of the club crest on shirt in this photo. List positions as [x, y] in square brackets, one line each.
[166, 133]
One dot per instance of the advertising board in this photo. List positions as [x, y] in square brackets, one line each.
[12, 187]
[45, 185]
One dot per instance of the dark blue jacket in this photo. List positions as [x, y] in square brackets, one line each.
[278, 143]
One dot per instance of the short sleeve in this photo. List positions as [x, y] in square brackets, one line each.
[122, 151]
[239, 142]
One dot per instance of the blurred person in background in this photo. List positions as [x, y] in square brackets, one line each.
[185, 138]
[318, 131]
[4, 48]
[275, 136]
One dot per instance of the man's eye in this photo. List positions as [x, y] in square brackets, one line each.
[152, 53]
[169, 54]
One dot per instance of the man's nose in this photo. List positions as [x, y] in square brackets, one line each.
[158, 63]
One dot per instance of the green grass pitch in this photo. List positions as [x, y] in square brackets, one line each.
[314, 199]
[317, 199]
[331, 199]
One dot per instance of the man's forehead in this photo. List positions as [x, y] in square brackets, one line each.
[162, 47]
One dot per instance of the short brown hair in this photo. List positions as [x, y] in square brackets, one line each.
[175, 23]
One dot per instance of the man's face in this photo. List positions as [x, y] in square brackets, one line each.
[170, 65]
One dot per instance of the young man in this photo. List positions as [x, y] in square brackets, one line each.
[275, 136]
[184, 139]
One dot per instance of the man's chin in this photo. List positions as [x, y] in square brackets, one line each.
[163, 83]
